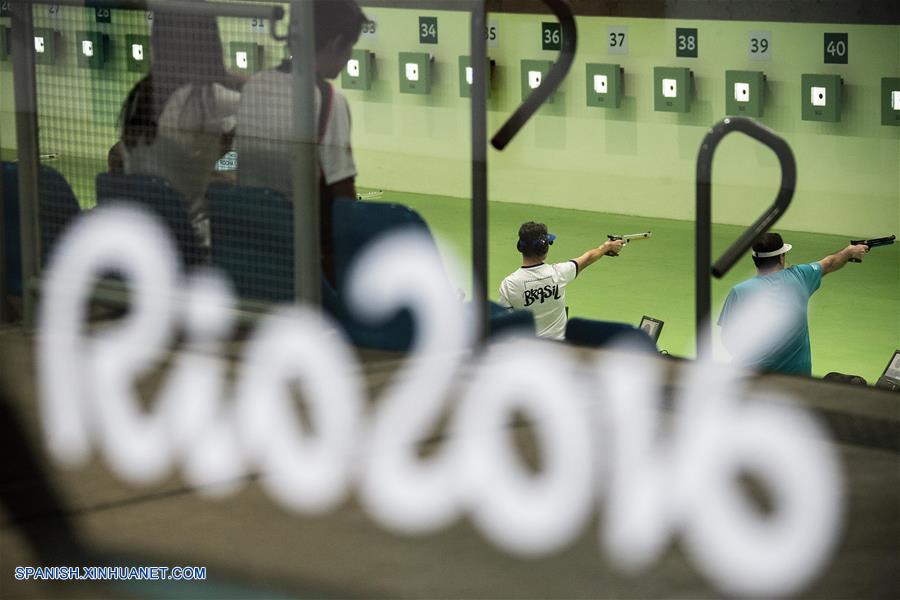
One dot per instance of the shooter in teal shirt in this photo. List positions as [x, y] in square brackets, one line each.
[778, 294]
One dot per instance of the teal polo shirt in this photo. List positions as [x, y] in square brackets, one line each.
[788, 290]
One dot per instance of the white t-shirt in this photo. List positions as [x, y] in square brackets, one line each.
[187, 144]
[266, 134]
[542, 290]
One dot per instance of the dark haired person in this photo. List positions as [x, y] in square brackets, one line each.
[180, 118]
[541, 287]
[782, 293]
[265, 131]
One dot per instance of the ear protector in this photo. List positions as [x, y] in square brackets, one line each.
[538, 246]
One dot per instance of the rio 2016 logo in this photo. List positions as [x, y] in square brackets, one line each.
[598, 425]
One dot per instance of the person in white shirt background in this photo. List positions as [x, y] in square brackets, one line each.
[266, 135]
[179, 119]
[541, 287]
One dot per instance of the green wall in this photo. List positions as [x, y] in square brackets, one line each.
[633, 160]
[630, 160]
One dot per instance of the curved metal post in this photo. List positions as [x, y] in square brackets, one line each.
[703, 243]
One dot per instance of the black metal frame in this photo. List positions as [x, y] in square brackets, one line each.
[703, 242]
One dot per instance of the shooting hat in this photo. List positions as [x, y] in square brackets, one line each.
[768, 245]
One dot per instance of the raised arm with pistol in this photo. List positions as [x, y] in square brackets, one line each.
[853, 252]
[873, 243]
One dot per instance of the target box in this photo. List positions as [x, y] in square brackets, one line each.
[46, 46]
[890, 101]
[604, 85]
[745, 93]
[245, 56]
[533, 74]
[4, 42]
[358, 73]
[93, 49]
[820, 96]
[415, 72]
[466, 75]
[137, 53]
[672, 89]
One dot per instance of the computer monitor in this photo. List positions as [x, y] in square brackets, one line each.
[890, 377]
[652, 327]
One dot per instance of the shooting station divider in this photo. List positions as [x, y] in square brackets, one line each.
[703, 240]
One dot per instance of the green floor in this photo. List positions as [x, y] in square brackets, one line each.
[854, 317]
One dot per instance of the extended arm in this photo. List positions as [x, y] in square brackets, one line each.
[832, 263]
[612, 247]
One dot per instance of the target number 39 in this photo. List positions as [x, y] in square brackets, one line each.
[759, 45]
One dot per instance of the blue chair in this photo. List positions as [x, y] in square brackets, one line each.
[162, 199]
[503, 321]
[597, 334]
[57, 207]
[252, 239]
[356, 225]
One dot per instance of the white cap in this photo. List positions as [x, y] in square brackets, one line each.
[783, 250]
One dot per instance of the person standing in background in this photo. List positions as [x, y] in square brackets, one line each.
[266, 134]
[180, 119]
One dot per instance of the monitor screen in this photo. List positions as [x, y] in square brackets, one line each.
[651, 327]
[892, 370]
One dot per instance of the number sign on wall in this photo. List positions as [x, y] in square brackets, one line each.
[428, 30]
[492, 34]
[103, 15]
[258, 25]
[551, 36]
[617, 39]
[837, 48]
[759, 46]
[369, 29]
[686, 42]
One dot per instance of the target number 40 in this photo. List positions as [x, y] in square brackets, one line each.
[837, 48]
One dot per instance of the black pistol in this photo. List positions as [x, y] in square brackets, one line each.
[873, 243]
